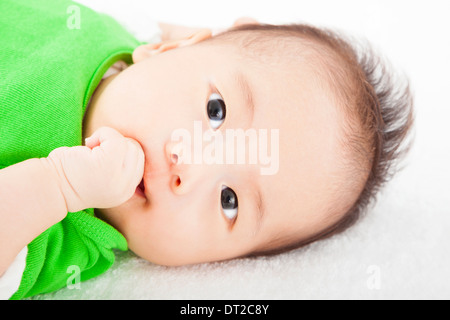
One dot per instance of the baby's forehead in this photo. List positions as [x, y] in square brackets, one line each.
[293, 56]
[283, 75]
[271, 45]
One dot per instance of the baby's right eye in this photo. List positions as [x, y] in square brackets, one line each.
[216, 110]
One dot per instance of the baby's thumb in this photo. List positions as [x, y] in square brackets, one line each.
[134, 162]
[140, 156]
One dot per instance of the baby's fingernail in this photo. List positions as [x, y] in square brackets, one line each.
[87, 140]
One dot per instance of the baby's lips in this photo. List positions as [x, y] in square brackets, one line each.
[140, 189]
[142, 185]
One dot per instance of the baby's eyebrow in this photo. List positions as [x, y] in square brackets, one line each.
[260, 210]
[247, 93]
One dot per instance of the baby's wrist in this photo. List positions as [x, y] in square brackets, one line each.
[57, 172]
[49, 189]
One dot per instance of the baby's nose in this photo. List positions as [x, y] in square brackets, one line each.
[186, 175]
[174, 151]
[174, 158]
[179, 170]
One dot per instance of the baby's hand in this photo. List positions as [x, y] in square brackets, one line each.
[102, 174]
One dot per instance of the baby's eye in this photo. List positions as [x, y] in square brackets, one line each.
[216, 110]
[229, 202]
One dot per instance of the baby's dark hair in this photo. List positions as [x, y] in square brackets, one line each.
[379, 106]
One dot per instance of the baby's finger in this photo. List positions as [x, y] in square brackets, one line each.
[100, 135]
[135, 159]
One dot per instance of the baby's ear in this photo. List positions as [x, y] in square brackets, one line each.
[244, 20]
[149, 50]
[238, 22]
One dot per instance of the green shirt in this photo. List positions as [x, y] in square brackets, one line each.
[53, 54]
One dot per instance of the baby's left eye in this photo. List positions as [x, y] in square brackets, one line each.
[216, 110]
[229, 202]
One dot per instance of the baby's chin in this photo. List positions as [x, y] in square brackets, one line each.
[113, 216]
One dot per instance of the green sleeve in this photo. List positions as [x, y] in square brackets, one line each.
[79, 242]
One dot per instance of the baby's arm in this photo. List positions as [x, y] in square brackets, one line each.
[37, 193]
[30, 202]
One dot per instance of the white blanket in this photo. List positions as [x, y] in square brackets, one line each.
[401, 249]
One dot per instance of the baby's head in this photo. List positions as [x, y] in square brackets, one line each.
[324, 124]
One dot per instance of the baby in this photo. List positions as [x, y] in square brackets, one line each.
[151, 147]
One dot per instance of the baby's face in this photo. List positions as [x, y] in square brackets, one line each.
[200, 204]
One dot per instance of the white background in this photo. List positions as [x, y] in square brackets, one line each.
[401, 250]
